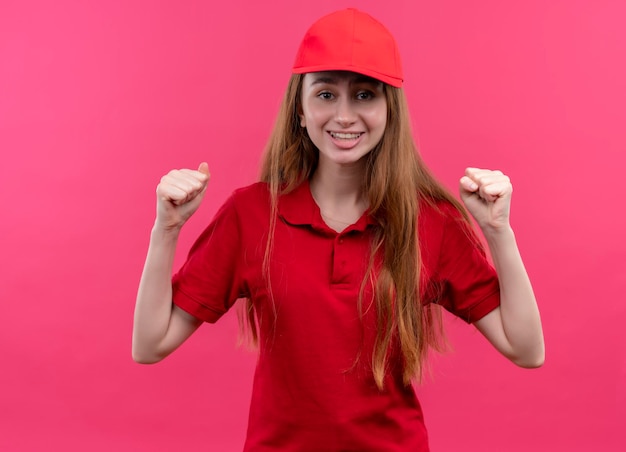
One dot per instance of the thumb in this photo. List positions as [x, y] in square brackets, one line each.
[204, 168]
[467, 185]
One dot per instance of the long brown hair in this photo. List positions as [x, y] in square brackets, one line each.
[396, 182]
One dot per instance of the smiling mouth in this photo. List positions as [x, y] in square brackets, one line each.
[345, 136]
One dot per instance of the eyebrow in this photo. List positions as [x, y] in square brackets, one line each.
[332, 80]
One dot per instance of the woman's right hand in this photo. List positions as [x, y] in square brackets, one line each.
[179, 195]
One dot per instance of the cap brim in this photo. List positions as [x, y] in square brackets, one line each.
[393, 81]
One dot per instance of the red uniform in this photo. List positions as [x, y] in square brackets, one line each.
[308, 394]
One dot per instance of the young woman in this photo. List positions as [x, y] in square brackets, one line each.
[345, 252]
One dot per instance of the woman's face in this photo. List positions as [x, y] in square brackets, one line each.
[345, 115]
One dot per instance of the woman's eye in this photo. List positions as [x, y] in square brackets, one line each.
[325, 95]
[364, 95]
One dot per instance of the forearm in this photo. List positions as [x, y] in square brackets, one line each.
[153, 307]
[521, 322]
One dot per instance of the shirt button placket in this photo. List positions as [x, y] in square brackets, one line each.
[340, 275]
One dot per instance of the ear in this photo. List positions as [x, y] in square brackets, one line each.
[301, 116]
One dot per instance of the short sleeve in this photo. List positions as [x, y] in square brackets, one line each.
[209, 282]
[469, 283]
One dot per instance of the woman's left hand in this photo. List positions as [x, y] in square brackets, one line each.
[487, 196]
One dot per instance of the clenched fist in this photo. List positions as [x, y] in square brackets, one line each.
[179, 195]
[487, 196]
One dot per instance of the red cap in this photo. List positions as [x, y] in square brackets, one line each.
[350, 40]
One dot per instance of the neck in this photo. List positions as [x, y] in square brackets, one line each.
[338, 192]
[338, 186]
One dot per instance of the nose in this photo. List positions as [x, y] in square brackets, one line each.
[345, 114]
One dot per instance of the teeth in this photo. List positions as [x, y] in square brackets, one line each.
[345, 136]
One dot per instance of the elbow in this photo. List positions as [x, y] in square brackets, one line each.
[143, 356]
[145, 359]
[531, 364]
[531, 361]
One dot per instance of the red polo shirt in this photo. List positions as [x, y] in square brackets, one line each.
[310, 392]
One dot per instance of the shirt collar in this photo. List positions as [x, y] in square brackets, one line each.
[299, 208]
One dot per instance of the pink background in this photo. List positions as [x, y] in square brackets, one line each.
[98, 99]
